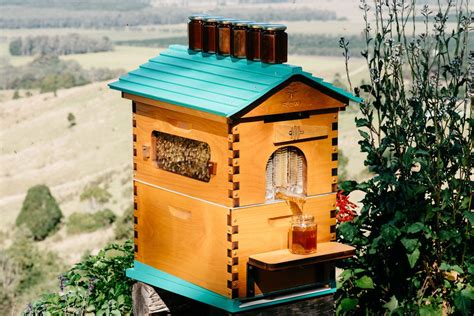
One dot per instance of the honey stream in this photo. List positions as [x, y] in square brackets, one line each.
[294, 201]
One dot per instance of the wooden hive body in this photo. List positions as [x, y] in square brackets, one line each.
[203, 232]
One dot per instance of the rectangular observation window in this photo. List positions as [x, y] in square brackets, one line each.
[183, 156]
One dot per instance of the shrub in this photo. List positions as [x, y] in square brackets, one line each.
[96, 286]
[71, 119]
[89, 222]
[124, 225]
[40, 212]
[414, 235]
[24, 271]
[95, 194]
[16, 95]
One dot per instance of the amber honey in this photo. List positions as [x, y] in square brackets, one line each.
[303, 235]
[274, 45]
[210, 34]
[239, 39]
[195, 31]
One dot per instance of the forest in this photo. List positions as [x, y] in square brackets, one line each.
[58, 45]
[48, 73]
[14, 17]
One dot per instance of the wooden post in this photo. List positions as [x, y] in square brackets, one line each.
[148, 300]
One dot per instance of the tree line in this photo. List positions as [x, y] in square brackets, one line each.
[116, 5]
[14, 17]
[58, 45]
[48, 73]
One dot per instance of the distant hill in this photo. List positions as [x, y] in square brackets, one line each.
[39, 147]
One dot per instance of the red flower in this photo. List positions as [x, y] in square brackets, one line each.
[346, 208]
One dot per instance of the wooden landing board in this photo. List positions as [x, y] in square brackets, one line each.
[284, 259]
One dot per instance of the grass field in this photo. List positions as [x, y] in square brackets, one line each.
[126, 57]
[115, 34]
[39, 147]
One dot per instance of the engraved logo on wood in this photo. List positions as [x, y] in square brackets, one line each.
[290, 91]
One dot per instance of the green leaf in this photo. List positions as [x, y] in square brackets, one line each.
[365, 135]
[392, 304]
[90, 308]
[457, 268]
[347, 230]
[463, 301]
[429, 310]
[444, 266]
[364, 282]
[415, 227]
[348, 304]
[346, 275]
[389, 234]
[468, 292]
[470, 216]
[409, 244]
[361, 122]
[120, 300]
[413, 257]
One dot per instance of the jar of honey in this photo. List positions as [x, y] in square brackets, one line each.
[303, 235]
[239, 39]
[224, 36]
[254, 39]
[274, 44]
[195, 31]
[210, 34]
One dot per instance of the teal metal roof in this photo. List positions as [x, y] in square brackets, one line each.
[211, 83]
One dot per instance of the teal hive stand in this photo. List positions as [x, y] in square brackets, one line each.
[146, 274]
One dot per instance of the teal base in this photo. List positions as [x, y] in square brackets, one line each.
[146, 274]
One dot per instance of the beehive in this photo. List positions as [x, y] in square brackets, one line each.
[212, 138]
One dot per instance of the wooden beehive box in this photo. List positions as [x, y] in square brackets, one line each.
[212, 137]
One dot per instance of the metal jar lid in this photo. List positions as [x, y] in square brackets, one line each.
[274, 27]
[258, 25]
[197, 17]
[212, 18]
[242, 23]
[227, 21]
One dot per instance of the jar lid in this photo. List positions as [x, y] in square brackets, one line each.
[197, 17]
[302, 219]
[227, 21]
[242, 23]
[211, 18]
[258, 25]
[274, 27]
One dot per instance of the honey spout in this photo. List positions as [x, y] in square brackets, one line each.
[294, 200]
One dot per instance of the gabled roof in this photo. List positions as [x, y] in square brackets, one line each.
[212, 83]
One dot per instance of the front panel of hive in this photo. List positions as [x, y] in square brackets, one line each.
[205, 191]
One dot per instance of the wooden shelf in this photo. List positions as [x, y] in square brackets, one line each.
[284, 259]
